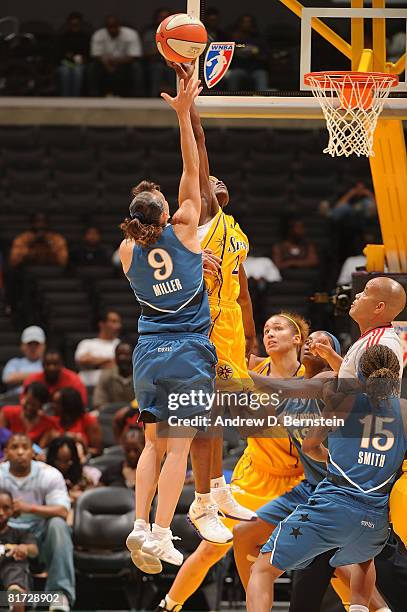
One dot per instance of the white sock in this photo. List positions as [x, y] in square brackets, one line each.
[384, 610]
[141, 523]
[171, 603]
[357, 608]
[216, 483]
[203, 499]
[160, 531]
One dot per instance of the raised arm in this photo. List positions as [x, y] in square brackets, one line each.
[189, 194]
[245, 303]
[210, 205]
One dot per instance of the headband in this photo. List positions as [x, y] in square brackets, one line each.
[293, 322]
[138, 215]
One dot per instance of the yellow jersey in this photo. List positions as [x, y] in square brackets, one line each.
[226, 240]
[276, 454]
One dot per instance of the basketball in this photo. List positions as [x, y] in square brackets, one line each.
[181, 38]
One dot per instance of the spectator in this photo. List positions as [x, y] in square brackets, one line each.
[353, 213]
[358, 202]
[70, 416]
[250, 60]
[124, 473]
[41, 505]
[29, 418]
[116, 68]
[18, 369]
[55, 376]
[90, 252]
[161, 77]
[18, 545]
[63, 455]
[73, 53]
[38, 245]
[94, 354]
[261, 269]
[295, 251]
[116, 384]
[126, 418]
[356, 261]
[211, 21]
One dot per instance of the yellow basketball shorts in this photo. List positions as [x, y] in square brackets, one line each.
[253, 485]
[398, 505]
[227, 334]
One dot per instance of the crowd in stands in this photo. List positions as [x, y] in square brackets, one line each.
[48, 435]
[119, 60]
[68, 394]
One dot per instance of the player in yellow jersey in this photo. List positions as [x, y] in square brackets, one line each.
[268, 468]
[232, 332]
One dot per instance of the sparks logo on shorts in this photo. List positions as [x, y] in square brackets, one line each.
[164, 349]
[367, 524]
[224, 372]
[217, 62]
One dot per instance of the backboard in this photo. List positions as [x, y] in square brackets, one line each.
[331, 37]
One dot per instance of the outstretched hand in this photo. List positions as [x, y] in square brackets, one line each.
[182, 102]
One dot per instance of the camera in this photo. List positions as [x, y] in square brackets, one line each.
[341, 299]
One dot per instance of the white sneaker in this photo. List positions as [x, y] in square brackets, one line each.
[162, 607]
[205, 520]
[227, 504]
[62, 605]
[149, 564]
[161, 547]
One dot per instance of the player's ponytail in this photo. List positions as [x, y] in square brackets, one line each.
[145, 223]
[380, 368]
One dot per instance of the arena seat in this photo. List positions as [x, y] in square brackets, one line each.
[65, 296]
[79, 162]
[295, 140]
[102, 137]
[163, 139]
[58, 325]
[78, 311]
[124, 164]
[19, 138]
[245, 140]
[24, 161]
[103, 519]
[76, 185]
[225, 163]
[169, 161]
[104, 461]
[320, 186]
[266, 185]
[270, 163]
[105, 419]
[63, 137]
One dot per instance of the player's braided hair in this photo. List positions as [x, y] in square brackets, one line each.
[381, 368]
[144, 225]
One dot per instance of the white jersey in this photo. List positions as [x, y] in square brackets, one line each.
[380, 335]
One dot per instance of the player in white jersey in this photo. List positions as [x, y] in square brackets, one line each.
[374, 309]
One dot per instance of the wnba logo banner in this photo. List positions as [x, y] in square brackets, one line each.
[217, 62]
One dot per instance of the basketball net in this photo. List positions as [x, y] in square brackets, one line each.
[351, 103]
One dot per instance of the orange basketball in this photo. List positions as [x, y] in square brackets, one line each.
[181, 38]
